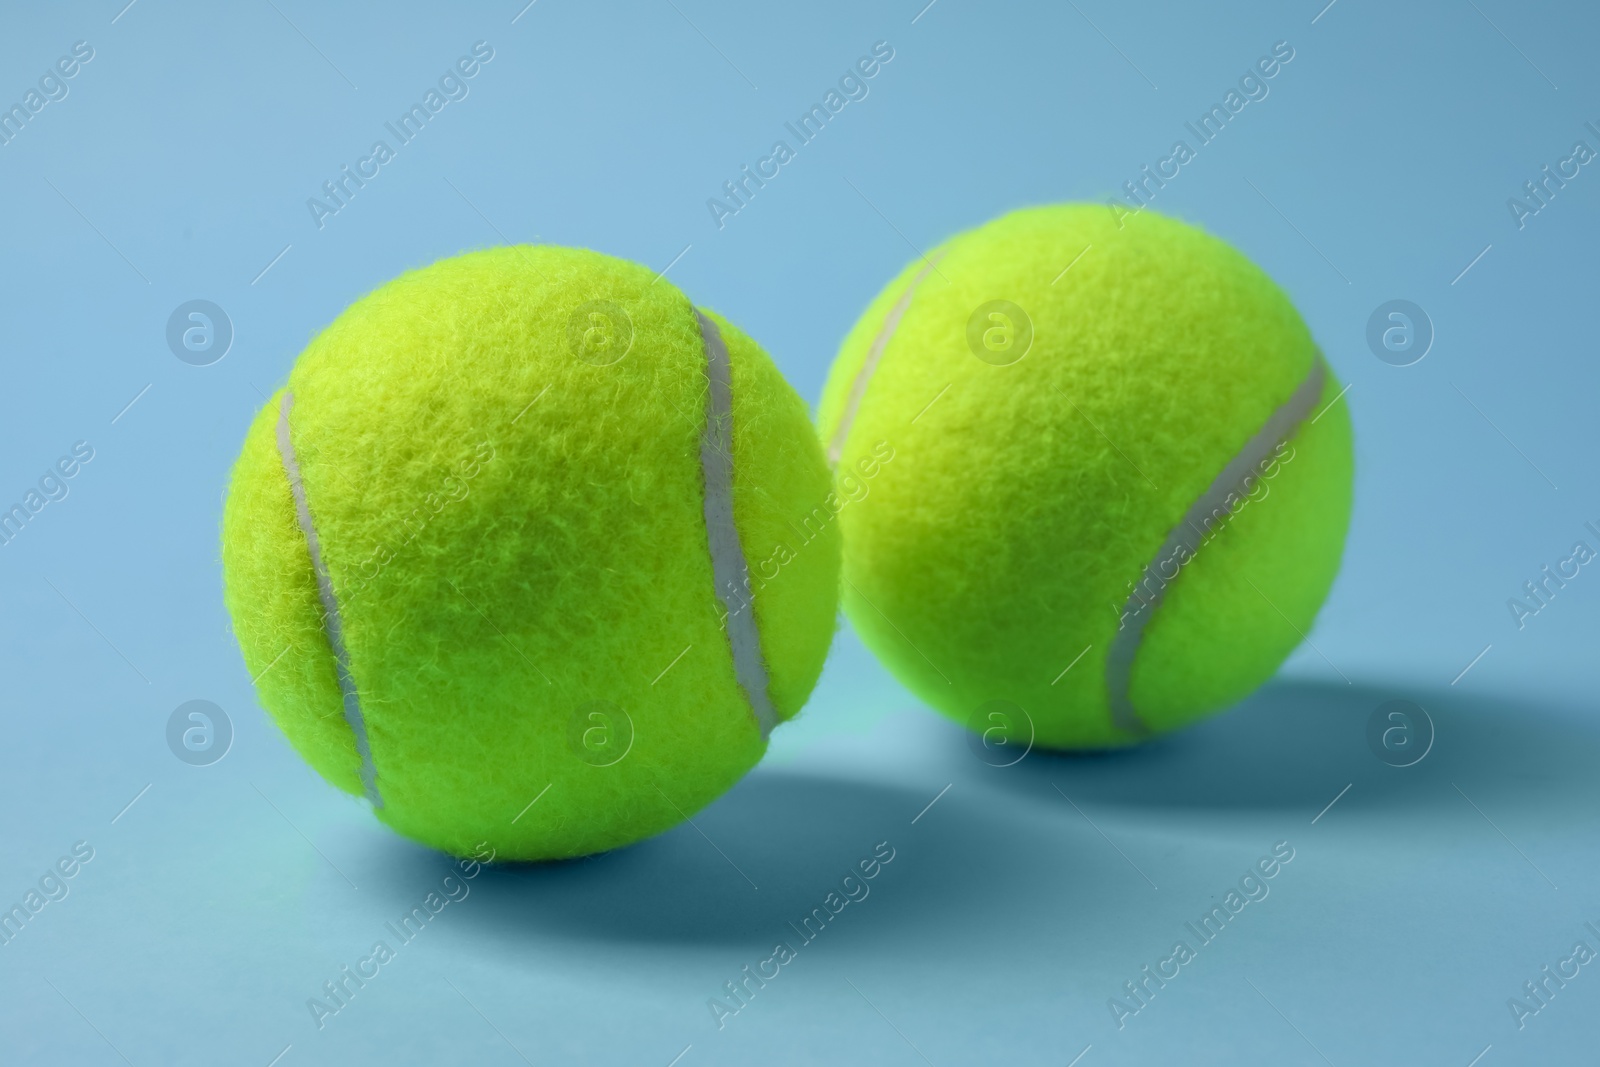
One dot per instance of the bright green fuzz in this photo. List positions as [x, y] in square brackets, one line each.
[996, 557]
[509, 493]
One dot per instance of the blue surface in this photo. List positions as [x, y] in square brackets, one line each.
[1378, 167]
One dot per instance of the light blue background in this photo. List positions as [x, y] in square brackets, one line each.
[178, 167]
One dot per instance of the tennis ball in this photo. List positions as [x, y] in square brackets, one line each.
[512, 554]
[1118, 484]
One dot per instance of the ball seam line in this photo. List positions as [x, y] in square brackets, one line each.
[869, 366]
[730, 572]
[1188, 534]
[333, 625]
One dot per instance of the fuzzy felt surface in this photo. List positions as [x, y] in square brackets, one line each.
[1024, 500]
[517, 541]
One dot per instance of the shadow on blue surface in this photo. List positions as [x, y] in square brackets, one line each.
[1294, 745]
[782, 843]
[770, 852]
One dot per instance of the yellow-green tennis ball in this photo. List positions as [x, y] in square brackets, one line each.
[516, 554]
[1117, 484]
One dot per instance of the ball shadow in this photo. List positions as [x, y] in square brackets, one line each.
[773, 849]
[770, 852]
[1294, 745]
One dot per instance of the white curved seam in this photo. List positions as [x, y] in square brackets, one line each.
[730, 572]
[332, 624]
[869, 366]
[1188, 536]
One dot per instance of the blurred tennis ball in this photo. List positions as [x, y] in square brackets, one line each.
[1120, 485]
